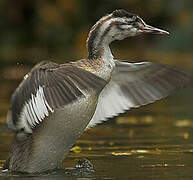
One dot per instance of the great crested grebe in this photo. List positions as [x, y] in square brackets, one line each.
[55, 103]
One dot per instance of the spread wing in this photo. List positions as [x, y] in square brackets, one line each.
[137, 84]
[48, 87]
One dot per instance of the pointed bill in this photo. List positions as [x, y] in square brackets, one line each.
[153, 30]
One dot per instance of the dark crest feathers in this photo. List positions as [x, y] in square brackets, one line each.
[122, 13]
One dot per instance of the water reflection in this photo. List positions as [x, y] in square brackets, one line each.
[82, 170]
[153, 142]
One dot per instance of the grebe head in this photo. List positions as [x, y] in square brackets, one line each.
[118, 25]
[125, 24]
[121, 24]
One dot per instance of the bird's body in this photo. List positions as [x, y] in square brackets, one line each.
[55, 103]
[57, 133]
[56, 136]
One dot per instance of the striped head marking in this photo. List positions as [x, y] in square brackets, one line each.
[115, 26]
[118, 25]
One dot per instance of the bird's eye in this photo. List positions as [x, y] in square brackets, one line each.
[135, 24]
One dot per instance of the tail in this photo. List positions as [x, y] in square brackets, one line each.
[19, 154]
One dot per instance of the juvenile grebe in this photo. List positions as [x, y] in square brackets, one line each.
[55, 103]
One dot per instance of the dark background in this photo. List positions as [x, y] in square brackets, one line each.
[32, 30]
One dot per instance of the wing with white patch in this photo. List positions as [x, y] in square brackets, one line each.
[137, 84]
[48, 87]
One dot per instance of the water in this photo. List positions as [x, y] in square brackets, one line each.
[152, 142]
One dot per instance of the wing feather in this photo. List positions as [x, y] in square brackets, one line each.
[48, 87]
[137, 84]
